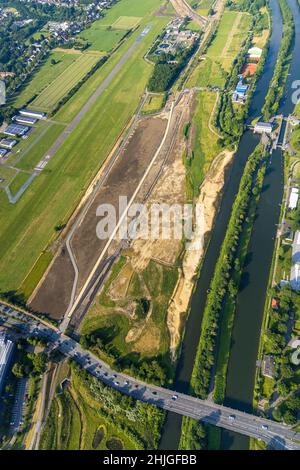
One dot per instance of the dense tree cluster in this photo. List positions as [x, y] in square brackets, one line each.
[168, 68]
[222, 284]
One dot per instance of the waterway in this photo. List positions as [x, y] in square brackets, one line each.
[251, 297]
[171, 434]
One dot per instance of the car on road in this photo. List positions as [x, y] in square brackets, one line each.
[117, 383]
[174, 397]
[136, 386]
[126, 382]
[154, 392]
[231, 417]
[264, 427]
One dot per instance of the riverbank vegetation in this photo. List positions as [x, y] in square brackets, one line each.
[88, 415]
[276, 87]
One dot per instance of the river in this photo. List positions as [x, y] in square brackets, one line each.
[252, 292]
[245, 376]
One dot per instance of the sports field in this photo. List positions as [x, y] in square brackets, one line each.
[53, 196]
[55, 91]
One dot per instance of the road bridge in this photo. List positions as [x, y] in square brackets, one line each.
[276, 435]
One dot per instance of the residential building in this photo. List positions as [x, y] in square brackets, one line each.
[6, 350]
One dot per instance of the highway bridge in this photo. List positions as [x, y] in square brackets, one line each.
[276, 435]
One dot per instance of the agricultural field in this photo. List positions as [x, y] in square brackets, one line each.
[42, 207]
[45, 76]
[129, 315]
[49, 98]
[86, 415]
[232, 30]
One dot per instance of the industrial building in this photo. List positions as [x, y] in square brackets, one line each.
[263, 128]
[293, 200]
[25, 120]
[16, 130]
[8, 143]
[255, 53]
[32, 114]
[6, 351]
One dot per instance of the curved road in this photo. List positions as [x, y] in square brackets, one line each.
[275, 434]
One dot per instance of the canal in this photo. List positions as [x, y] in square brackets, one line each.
[171, 433]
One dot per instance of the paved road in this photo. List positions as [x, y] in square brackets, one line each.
[275, 434]
[67, 131]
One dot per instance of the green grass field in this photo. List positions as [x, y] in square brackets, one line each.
[126, 22]
[45, 76]
[232, 31]
[57, 89]
[53, 196]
